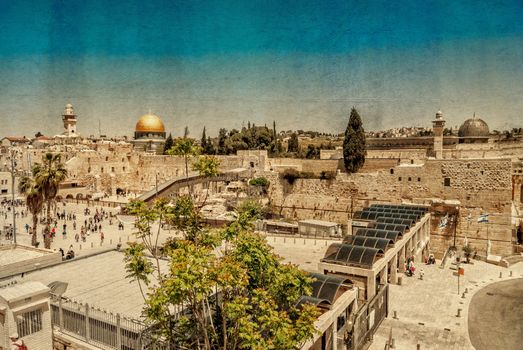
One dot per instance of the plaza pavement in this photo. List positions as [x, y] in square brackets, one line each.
[112, 236]
[427, 309]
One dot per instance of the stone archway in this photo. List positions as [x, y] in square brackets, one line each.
[79, 196]
[69, 196]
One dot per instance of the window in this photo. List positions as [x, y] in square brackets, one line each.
[410, 179]
[106, 159]
[447, 181]
[392, 171]
[419, 179]
[102, 169]
[482, 172]
[29, 323]
[123, 169]
[412, 161]
[112, 169]
[399, 178]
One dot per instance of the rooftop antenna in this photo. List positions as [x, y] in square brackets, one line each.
[99, 128]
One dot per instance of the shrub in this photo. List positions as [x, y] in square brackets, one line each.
[259, 181]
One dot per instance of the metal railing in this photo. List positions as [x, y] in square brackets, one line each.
[98, 327]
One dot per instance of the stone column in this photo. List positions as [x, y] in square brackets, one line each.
[394, 270]
[371, 286]
[384, 274]
[402, 260]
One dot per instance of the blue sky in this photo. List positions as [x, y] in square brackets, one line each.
[221, 63]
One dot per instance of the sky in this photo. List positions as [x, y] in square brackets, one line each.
[222, 63]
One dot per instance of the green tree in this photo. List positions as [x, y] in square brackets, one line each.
[187, 148]
[256, 308]
[169, 142]
[34, 199]
[222, 139]
[354, 143]
[48, 175]
[203, 141]
[293, 145]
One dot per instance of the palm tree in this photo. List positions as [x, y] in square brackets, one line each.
[185, 147]
[34, 200]
[48, 176]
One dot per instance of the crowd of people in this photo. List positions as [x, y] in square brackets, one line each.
[64, 222]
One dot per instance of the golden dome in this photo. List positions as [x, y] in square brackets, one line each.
[149, 123]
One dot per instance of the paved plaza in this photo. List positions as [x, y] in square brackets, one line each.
[93, 243]
[427, 309]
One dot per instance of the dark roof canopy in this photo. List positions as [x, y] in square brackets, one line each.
[305, 299]
[406, 222]
[351, 255]
[400, 206]
[390, 227]
[326, 287]
[367, 241]
[373, 232]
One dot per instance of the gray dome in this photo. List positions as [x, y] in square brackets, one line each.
[473, 127]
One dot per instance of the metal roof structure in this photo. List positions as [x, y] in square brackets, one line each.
[400, 206]
[413, 218]
[372, 232]
[390, 227]
[373, 215]
[305, 299]
[326, 287]
[351, 255]
[367, 241]
[391, 220]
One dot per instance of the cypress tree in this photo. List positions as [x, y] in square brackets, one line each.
[169, 142]
[292, 145]
[222, 137]
[354, 143]
[203, 142]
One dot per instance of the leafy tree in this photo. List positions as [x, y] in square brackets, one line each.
[256, 306]
[186, 148]
[169, 142]
[48, 175]
[354, 143]
[293, 145]
[34, 199]
[222, 138]
[209, 148]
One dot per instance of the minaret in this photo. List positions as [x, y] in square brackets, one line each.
[69, 119]
[438, 125]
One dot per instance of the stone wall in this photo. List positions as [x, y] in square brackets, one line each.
[478, 186]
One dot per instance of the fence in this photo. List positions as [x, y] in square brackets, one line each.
[98, 327]
[93, 202]
[369, 318]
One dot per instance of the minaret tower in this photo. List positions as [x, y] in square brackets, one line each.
[69, 119]
[438, 125]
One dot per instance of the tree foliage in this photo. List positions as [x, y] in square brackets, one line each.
[34, 199]
[185, 147]
[255, 307]
[354, 143]
[169, 142]
[293, 145]
[48, 175]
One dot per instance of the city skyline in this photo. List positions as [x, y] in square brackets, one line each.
[303, 64]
